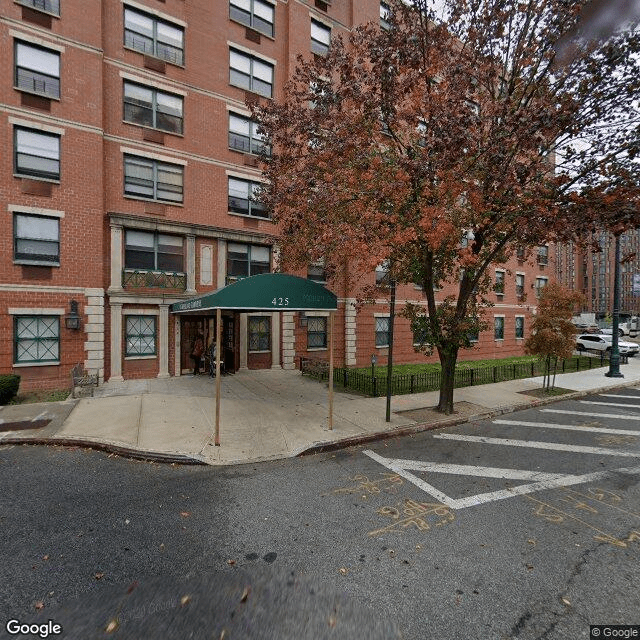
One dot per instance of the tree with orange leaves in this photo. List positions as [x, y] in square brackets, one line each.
[442, 146]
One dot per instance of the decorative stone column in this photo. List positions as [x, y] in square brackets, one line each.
[94, 331]
[221, 271]
[288, 340]
[244, 325]
[177, 352]
[349, 332]
[191, 265]
[275, 340]
[163, 346]
[116, 342]
[116, 258]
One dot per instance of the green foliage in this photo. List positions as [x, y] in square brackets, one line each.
[9, 384]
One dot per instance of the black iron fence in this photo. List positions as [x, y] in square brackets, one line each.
[465, 376]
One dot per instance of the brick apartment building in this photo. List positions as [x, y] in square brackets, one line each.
[127, 165]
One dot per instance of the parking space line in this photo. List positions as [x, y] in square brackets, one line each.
[615, 395]
[611, 404]
[570, 427]
[532, 444]
[617, 416]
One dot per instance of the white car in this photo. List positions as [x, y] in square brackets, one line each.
[623, 330]
[602, 342]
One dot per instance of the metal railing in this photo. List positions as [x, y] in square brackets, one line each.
[465, 376]
[141, 278]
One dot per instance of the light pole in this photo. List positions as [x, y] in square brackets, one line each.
[374, 362]
[392, 311]
[614, 356]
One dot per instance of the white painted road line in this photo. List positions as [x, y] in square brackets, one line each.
[553, 481]
[617, 416]
[532, 444]
[614, 395]
[611, 404]
[570, 427]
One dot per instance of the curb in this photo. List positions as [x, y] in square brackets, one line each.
[124, 452]
[429, 426]
[321, 447]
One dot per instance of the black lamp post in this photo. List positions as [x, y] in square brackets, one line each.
[614, 356]
[374, 362]
[392, 312]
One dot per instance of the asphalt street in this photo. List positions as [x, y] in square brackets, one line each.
[526, 526]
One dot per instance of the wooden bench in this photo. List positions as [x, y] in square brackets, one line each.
[81, 379]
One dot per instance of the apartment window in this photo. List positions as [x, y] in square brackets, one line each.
[242, 198]
[256, 14]
[541, 283]
[420, 335]
[152, 179]
[320, 38]
[473, 335]
[36, 239]
[382, 273]
[498, 328]
[520, 285]
[153, 36]
[37, 154]
[519, 326]
[317, 272]
[250, 73]
[244, 136]
[48, 6]
[316, 333]
[382, 331]
[37, 70]
[384, 15]
[36, 339]
[259, 333]
[498, 284]
[244, 260]
[543, 255]
[152, 108]
[153, 251]
[140, 335]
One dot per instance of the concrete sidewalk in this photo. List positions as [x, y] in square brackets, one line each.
[264, 415]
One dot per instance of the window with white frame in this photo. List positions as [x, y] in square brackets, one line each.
[36, 339]
[382, 331]
[242, 198]
[244, 136]
[37, 70]
[48, 6]
[155, 37]
[382, 273]
[259, 328]
[520, 285]
[519, 326]
[250, 73]
[543, 255]
[151, 107]
[256, 14]
[316, 332]
[140, 335]
[541, 283]
[498, 327]
[320, 38]
[384, 15]
[152, 179]
[153, 251]
[36, 154]
[317, 272]
[36, 239]
[244, 260]
[498, 283]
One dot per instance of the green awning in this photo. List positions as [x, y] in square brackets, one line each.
[264, 292]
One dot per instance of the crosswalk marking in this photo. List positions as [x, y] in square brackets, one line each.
[546, 480]
[617, 416]
[611, 404]
[532, 444]
[570, 427]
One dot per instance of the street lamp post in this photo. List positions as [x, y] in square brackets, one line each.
[614, 356]
[392, 312]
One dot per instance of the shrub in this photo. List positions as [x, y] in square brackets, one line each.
[9, 384]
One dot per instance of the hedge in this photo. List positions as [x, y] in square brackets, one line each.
[9, 384]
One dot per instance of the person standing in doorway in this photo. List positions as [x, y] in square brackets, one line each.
[196, 352]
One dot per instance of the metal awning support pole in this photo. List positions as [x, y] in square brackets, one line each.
[331, 316]
[218, 349]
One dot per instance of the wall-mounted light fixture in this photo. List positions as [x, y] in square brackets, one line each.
[303, 319]
[72, 319]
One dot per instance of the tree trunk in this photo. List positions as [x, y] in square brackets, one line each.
[448, 359]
